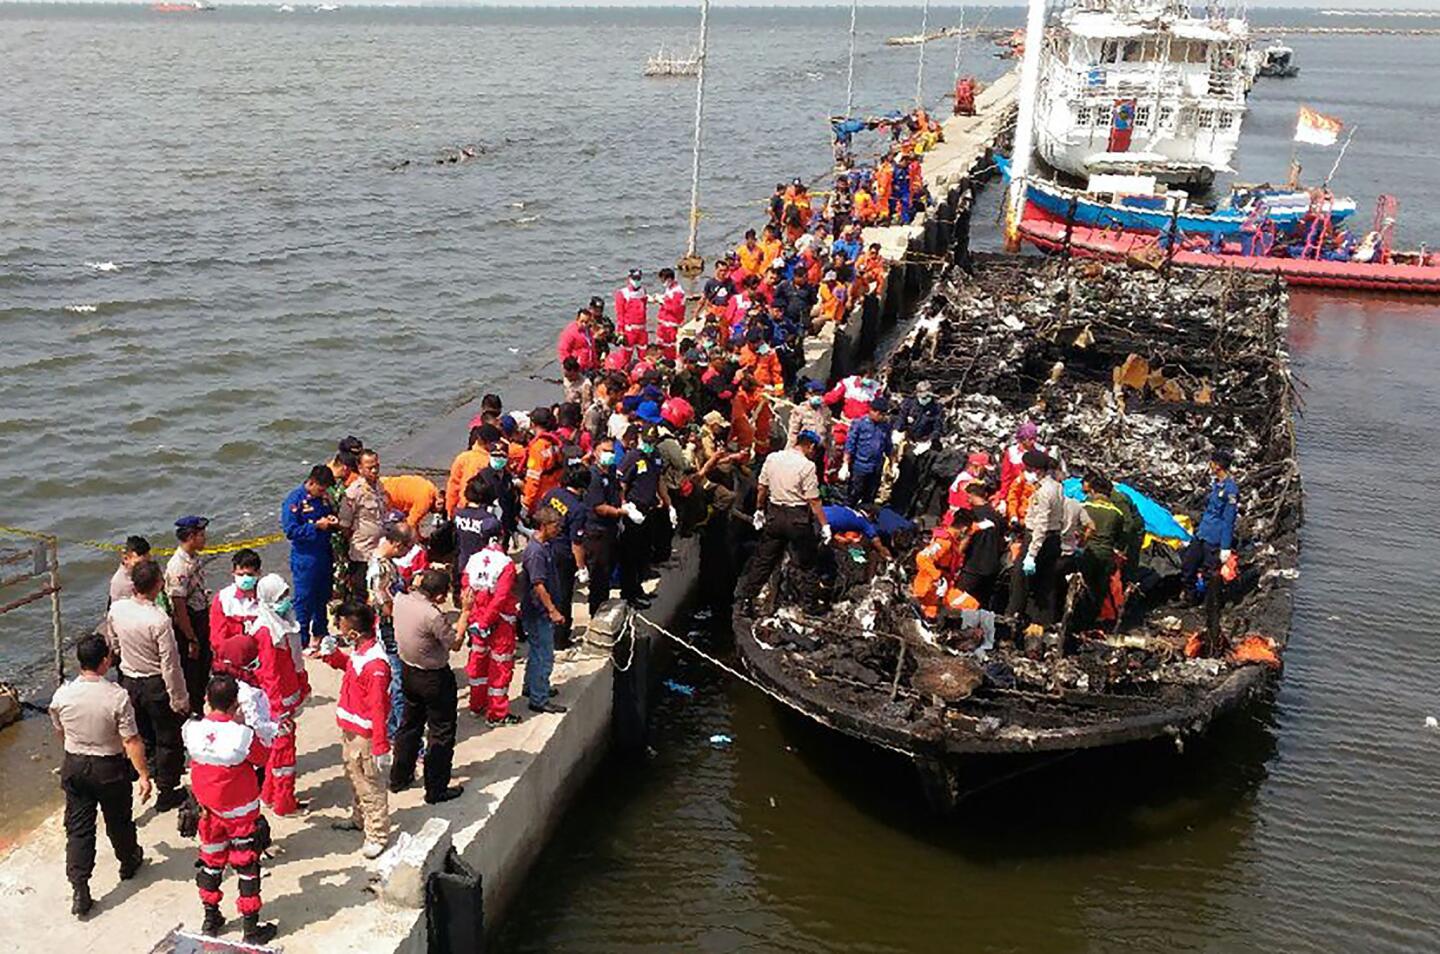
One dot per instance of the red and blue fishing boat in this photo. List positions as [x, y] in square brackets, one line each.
[1128, 203]
[1322, 255]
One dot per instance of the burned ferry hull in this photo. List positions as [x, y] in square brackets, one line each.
[1023, 339]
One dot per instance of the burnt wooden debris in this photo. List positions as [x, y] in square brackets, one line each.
[1138, 374]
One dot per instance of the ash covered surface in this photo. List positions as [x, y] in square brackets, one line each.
[1129, 374]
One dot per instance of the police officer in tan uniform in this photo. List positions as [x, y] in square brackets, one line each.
[103, 756]
[150, 661]
[190, 606]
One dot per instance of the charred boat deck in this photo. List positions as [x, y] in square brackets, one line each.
[1137, 375]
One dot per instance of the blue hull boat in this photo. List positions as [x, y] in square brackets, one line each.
[1285, 208]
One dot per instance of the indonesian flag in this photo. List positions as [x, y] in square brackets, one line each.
[1317, 128]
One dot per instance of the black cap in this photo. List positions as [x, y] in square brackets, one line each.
[1222, 457]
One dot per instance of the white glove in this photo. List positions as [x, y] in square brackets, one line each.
[826, 533]
[923, 447]
[1028, 567]
[941, 587]
[328, 645]
[383, 762]
[758, 521]
[844, 473]
[674, 518]
[633, 512]
[1224, 556]
[897, 437]
[582, 575]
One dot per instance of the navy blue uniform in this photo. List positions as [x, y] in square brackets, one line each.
[311, 560]
[601, 533]
[475, 527]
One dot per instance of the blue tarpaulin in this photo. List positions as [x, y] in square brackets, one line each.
[1159, 522]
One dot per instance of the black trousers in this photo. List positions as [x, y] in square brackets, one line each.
[197, 670]
[1037, 596]
[431, 702]
[600, 556]
[657, 527]
[634, 556]
[155, 719]
[786, 529]
[564, 596]
[94, 782]
[864, 487]
[979, 585]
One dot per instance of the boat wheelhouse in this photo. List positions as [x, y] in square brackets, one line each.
[1141, 87]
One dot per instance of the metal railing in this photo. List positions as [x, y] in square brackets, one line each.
[30, 561]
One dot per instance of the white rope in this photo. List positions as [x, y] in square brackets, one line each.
[749, 681]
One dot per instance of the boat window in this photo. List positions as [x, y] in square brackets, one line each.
[1205, 118]
[1226, 120]
[1082, 116]
[1102, 114]
[1133, 51]
[1165, 113]
[1142, 117]
[1108, 50]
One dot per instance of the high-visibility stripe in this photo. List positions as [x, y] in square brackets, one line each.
[478, 682]
[499, 691]
[282, 771]
[213, 871]
[502, 657]
[213, 848]
[242, 811]
[291, 699]
[345, 715]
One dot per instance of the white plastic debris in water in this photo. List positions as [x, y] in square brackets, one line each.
[80, 309]
[720, 740]
[1432, 723]
[103, 266]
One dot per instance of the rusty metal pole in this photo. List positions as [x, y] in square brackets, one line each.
[57, 630]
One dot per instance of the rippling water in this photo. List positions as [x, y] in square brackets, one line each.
[277, 285]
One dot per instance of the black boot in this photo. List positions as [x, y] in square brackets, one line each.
[257, 933]
[130, 867]
[82, 903]
[214, 921]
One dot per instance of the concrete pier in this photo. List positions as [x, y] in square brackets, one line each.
[519, 779]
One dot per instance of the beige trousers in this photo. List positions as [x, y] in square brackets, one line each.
[370, 809]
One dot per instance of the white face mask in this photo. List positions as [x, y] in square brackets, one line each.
[1031, 477]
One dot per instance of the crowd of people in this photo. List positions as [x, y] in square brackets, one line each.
[675, 417]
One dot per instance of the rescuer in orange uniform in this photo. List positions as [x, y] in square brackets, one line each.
[544, 459]
[938, 565]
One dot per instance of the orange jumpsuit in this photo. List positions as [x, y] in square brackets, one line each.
[765, 367]
[801, 203]
[864, 210]
[884, 179]
[750, 419]
[869, 275]
[772, 250]
[833, 303]
[465, 466]
[939, 561]
[544, 467]
[752, 260]
[411, 493]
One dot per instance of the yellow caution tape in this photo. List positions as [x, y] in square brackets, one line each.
[229, 547]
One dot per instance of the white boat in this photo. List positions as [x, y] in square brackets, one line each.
[663, 64]
[915, 39]
[326, 8]
[1141, 87]
[285, 8]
